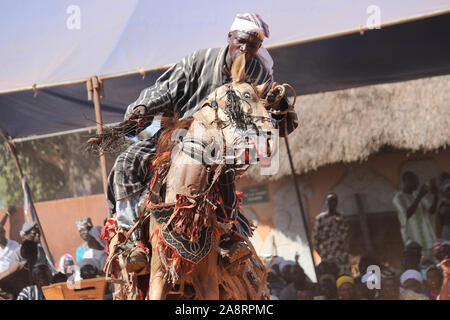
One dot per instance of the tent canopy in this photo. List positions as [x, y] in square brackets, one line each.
[43, 46]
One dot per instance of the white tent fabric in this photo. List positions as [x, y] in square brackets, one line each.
[47, 42]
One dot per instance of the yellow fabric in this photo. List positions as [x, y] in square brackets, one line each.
[343, 279]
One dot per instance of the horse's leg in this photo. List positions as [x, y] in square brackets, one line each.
[207, 277]
[158, 286]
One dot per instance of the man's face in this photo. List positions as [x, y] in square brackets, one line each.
[84, 232]
[347, 291]
[242, 42]
[390, 289]
[88, 271]
[42, 277]
[33, 235]
[67, 265]
[434, 279]
[413, 284]
[332, 202]
[412, 182]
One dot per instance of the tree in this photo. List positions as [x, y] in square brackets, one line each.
[55, 168]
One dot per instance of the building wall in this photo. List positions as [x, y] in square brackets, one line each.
[280, 230]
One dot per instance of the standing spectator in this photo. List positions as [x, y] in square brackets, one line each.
[411, 281]
[93, 247]
[7, 248]
[19, 275]
[414, 210]
[443, 212]
[412, 256]
[327, 271]
[330, 235]
[433, 282]
[346, 288]
[42, 277]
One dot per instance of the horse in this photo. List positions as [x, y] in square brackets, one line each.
[187, 172]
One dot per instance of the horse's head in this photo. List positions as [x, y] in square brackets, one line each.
[231, 129]
[237, 111]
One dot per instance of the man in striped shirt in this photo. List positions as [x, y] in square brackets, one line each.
[180, 91]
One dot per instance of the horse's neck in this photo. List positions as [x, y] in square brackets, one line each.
[186, 175]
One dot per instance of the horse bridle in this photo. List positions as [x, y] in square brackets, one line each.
[236, 116]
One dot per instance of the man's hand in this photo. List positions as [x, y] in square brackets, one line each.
[445, 265]
[423, 190]
[433, 187]
[138, 111]
[274, 96]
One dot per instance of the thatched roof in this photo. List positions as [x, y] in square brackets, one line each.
[350, 125]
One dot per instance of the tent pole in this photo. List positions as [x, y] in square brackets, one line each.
[300, 204]
[12, 150]
[96, 88]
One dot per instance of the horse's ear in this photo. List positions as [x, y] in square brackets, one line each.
[238, 69]
[261, 88]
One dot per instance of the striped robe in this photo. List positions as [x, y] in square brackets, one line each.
[31, 293]
[180, 91]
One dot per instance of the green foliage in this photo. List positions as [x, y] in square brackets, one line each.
[44, 178]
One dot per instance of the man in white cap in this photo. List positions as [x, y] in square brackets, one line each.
[30, 231]
[411, 281]
[180, 90]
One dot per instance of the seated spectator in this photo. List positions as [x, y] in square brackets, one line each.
[327, 287]
[93, 247]
[345, 285]
[65, 263]
[19, 275]
[295, 279]
[433, 282]
[42, 277]
[306, 293]
[59, 277]
[7, 248]
[88, 270]
[361, 287]
[390, 285]
[411, 281]
[327, 272]
[30, 231]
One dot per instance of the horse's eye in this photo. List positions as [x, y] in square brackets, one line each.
[247, 95]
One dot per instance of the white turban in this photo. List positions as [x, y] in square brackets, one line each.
[411, 274]
[253, 23]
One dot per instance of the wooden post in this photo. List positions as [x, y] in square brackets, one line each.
[364, 225]
[300, 204]
[93, 85]
[11, 149]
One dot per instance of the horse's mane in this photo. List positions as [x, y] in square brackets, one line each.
[170, 124]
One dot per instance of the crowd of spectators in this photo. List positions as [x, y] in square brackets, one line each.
[25, 268]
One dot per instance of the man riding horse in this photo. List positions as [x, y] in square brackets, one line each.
[180, 91]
